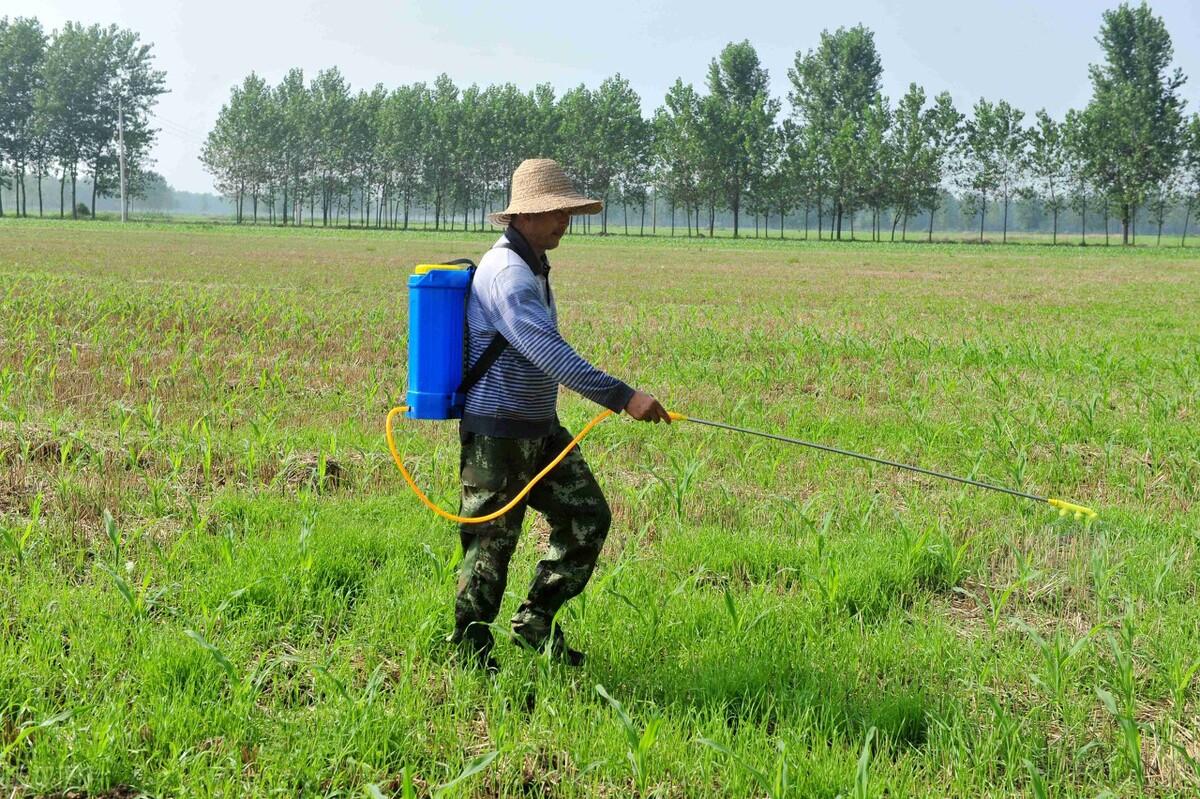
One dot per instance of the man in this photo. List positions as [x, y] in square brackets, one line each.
[510, 429]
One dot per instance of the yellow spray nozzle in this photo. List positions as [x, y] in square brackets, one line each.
[1065, 507]
[676, 417]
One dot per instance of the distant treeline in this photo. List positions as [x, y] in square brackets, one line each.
[303, 152]
[67, 101]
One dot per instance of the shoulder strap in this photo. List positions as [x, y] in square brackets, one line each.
[494, 348]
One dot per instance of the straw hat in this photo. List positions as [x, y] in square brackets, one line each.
[540, 185]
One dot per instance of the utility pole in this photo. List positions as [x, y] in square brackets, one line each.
[121, 147]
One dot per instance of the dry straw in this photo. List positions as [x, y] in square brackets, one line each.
[540, 185]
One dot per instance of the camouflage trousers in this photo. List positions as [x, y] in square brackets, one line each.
[493, 471]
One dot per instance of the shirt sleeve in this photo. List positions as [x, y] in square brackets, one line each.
[522, 318]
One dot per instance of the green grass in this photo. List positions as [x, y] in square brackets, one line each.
[213, 581]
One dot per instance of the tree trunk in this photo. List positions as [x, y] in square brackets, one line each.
[839, 210]
[62, 184]
[74, 196]
[1187, 217]
[806, 209]
[1125, 223]
[39, 180]
[931, 212]
[1004, 236]
[982, 215]
[1083, 225]
[95, 180]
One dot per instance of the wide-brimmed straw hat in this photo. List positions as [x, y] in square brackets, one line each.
[540, 185]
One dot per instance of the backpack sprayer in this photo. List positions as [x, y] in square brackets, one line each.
[437, 297]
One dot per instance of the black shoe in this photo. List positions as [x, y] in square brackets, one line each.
[559, 651]
[475, 654]
[569, 657]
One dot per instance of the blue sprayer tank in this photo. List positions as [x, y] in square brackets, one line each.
[437, 297]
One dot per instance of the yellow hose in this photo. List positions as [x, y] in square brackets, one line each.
[391, 442]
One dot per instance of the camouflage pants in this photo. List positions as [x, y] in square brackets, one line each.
[493, 471]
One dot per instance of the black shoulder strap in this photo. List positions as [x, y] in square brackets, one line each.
[494, 348]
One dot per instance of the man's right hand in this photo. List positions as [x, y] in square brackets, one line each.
[646, 408]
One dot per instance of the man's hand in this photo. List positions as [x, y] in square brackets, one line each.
[646, 408]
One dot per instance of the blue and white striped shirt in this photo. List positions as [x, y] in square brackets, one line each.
[518, 396]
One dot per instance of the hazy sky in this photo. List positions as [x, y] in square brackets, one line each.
[1033, 53]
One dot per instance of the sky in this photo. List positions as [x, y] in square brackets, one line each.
[1034, 54]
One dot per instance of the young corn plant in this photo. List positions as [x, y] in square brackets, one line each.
[1119, 697]
[741, 623]
[678, 484]
[862, 772]
[777, 784]
[1179, 671]
[1058, 654]
[638, 742]
[19, 542]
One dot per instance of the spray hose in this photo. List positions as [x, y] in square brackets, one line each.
[1064, 507]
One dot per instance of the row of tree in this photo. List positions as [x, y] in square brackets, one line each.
[318, 149]
[67, 100]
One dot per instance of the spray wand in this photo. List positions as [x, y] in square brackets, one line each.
[1064, 507]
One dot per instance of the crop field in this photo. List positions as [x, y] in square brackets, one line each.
[213, 581]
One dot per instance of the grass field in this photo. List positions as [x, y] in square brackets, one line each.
[213, 581]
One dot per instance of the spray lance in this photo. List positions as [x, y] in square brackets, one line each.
[437, 295]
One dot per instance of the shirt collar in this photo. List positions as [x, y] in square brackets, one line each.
[539, 266]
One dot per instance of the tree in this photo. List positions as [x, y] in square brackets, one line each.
[944, 131]
[22, 53]
[877, 163]
[1191, 172]
[128, 97]
[832, 90]
[743, 114]
[1077, 141]
[1136, 108]
[406, 128]
[676, 148]
[1009, 144]
[292, 149]
[441, 143]
[72, 90]
[980, 176]
[1048, 165]
[618, 139]
[910, 143]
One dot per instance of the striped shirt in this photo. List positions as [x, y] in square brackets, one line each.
[518, 396]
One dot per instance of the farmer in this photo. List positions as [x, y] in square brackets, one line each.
[510, 428]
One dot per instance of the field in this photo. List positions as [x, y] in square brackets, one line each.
[214, 582]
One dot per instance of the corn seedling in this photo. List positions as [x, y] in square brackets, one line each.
[1119, 698]
[775, 785]
[862, 771]
[1058, 654]
[19, 542]
[678, 483]
[638, 742]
